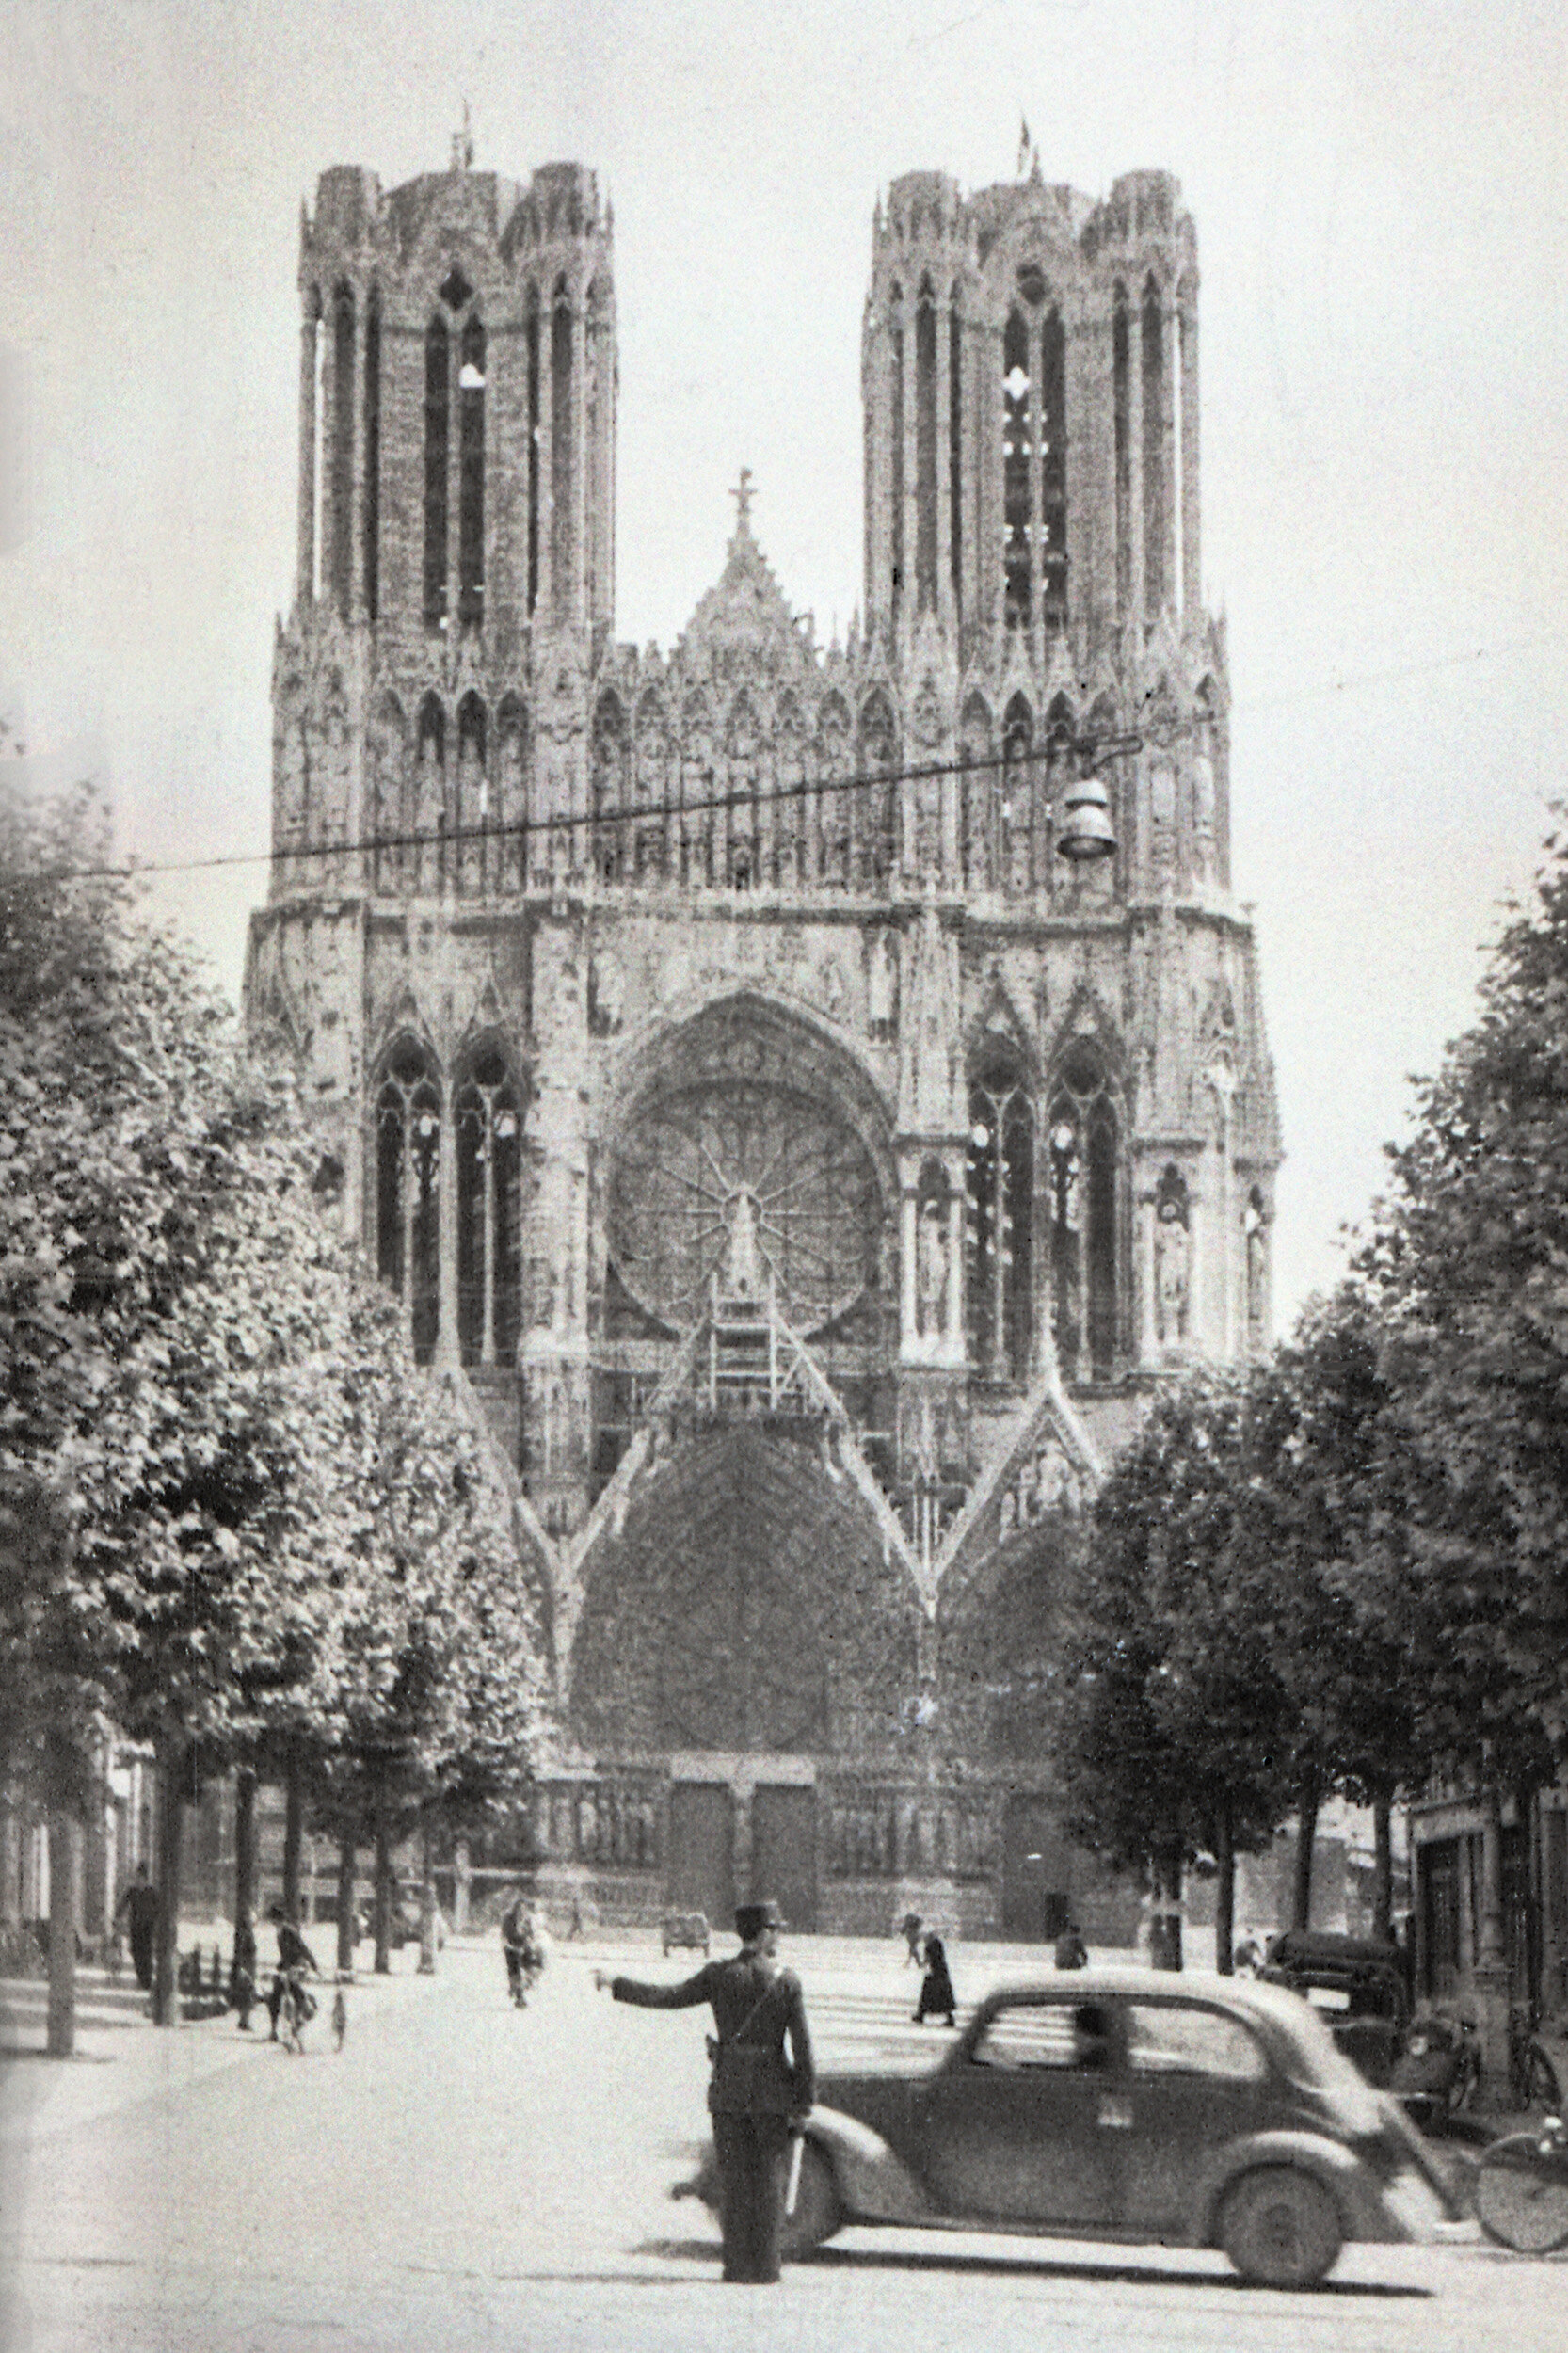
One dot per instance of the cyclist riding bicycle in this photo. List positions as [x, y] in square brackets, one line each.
[294, 1957]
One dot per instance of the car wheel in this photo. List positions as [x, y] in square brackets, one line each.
[1280, 2228]
[818, 2213]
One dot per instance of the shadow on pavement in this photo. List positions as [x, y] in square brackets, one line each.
[1026, 2266]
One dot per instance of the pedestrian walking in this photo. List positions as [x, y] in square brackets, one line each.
[909, 1929]
[758, 2099]
[1071, 1951]
[139, 1903]
[937, 1999]
[292, 1954]
[519, 1945]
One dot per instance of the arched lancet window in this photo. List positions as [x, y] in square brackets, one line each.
[1017, 567]
[438, 436]
[608, 789]
[648, 854]
[388, 816]
[563, 582]
[342, 451]
[790, 853]
[407, 1190]
[489, 1161]
[1121, 409]
[999, 1182]
[313, 444]
[372, 412]
[956, 453]
[531, 343]
[1015, 798]
[837, 798]
[897, 360]
[1081, 1157]
[470, 798]
[518, 853]
[1053, 471]
[741, 821]
[471, 478]
[977, 787]
[1156, 586]
[697, 783]
[424, 855]
[878, 821]
[925, 450]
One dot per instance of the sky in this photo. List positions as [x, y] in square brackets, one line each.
[1382, 211]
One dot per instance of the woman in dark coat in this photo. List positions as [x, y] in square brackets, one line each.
[937, 1999]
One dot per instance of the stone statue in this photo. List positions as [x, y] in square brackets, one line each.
[931, 1281]
[1172, 1257]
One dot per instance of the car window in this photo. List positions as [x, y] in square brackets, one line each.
[1168, 2038]
[1043, 2034]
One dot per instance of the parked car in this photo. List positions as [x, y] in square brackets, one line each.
[1126, 2106]
[1359, 1986]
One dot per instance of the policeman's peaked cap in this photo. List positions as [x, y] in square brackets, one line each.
[751, 1919]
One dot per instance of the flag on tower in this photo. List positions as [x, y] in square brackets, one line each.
[1023, 147]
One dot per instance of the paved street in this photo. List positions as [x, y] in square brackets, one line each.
[465, 2176]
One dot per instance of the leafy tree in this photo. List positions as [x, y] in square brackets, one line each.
[1175, 1734]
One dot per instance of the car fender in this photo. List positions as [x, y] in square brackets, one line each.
[1338, 2170]
[874, 2185]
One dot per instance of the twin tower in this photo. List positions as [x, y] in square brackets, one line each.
[613, 972]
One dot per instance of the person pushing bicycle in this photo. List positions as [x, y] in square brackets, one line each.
[294, 1957]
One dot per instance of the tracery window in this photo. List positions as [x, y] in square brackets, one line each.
[925, 449]
[1053, 471]
[471, 478]
[1081, 1157]
[408, 1190]
[489, 1268]
[1156, 586]
[1000, 1181]
[342, 451]
[562, 582]
[438, 396]
[1017, 568]
[372, 415]
[897, 360]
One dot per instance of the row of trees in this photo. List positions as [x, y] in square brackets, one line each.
[235, 1523]
[1346, 1569]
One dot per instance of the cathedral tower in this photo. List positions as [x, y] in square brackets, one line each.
[809, 1161]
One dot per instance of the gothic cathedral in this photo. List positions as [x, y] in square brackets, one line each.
[810, 1096]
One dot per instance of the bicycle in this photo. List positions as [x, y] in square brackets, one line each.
[296, 2009]
[1521, 2189]
[1531, 2077]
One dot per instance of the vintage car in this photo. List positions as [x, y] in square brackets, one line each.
[1192, 2110]
[689, 1929]
[1357, 1984]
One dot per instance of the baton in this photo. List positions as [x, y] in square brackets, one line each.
[792, 2190]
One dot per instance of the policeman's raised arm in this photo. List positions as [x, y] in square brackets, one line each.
[645, 1996]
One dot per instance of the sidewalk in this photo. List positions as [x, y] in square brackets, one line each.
[122, 2058]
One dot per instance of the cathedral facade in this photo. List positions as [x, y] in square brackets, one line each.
[809, 1095]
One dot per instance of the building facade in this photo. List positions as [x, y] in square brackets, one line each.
[808, 1165]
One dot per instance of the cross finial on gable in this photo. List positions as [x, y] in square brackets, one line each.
[462, 145]
[741, 494]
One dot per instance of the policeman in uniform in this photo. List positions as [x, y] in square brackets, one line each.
[757, 2098]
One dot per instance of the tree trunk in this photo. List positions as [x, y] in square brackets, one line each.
[426, 1910]
[383, 1891]
[462, 1880]
[1224, 1892]
[1165, 1911]
[242, 1977]
[64, 1843]
[293, 1833]
[173, 1775]
[348, 1857]
[11, 1858]
[1307, 1835]
[1383, 1867]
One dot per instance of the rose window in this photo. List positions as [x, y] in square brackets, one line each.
[746, 1183]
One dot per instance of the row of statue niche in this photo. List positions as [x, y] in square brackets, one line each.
[890, 1836]
[615, 1827]
[931, 1269]
[550, 1296]
[558, 1431]
[1172, 1262]
[1044, 1483]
